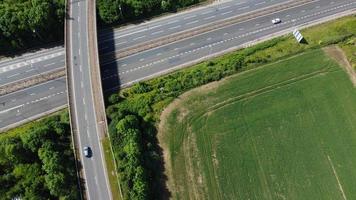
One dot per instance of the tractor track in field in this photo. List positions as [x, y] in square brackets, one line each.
[260, 91]
[336, 53]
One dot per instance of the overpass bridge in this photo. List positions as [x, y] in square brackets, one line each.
[86, 104]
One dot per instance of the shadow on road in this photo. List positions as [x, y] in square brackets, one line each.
[153, 154]
[109, 68]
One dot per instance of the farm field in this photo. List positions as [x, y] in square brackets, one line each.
[282, 131]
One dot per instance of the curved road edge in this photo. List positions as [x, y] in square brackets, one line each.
[97, 88]
[74, 134]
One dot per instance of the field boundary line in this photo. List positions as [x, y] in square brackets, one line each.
[260, 91]
[269, 88]
[337, 178]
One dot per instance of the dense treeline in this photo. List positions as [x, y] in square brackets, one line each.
[117, 11]
[138, 107]
[24, 23]
[38, 163]
[135, 150]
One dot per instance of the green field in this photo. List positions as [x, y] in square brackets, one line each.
[283, 131]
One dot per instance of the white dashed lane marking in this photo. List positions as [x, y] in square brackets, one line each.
[158, 32]
[30, 102]
[225, 13]
[171, 22]
[13, 75]
[206, 18]
[243, 8]
[189, 17]
[175, 27]
[193, 22]
[263, 2]
[139, 38]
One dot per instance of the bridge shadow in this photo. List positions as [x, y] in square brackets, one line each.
[109, 67]
[108, 43]
[154, 163]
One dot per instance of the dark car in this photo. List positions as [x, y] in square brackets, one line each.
[87, 151]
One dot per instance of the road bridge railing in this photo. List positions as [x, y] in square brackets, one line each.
[96, 83]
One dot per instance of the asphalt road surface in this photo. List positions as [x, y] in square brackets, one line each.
[84, 123]
[155, 61]
[115, 40]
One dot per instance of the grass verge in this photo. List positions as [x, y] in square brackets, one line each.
[111, 170]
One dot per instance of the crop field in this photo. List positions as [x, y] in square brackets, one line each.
[283, 131]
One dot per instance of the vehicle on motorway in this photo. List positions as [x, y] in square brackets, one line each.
[276, 21]
[87, 152]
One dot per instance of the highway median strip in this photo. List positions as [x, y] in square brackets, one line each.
[31, 81]
[202, 29]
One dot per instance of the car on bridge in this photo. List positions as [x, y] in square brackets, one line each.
[87, 152]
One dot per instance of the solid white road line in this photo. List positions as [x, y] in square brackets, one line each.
[13, 108]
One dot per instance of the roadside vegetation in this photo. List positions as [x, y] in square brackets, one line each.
[281, 131]
[37, 161]
[349, 47]
[135, 111]
[114, 185]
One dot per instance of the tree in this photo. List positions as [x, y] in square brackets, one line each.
[114, 98]
[129, 122]
[109, 10]
[35, 137]
[55, 182]
[166, 5]
[26, 22]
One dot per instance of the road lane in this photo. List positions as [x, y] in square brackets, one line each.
[83, 118]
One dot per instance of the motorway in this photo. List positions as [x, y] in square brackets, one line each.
[84, 122]
[120, 39]
[152, 62]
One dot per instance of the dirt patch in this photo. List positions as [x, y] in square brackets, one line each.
[338, 55]
[193, 164]
[178, 104]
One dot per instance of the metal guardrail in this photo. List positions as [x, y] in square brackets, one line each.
[31, 81]
[97, 88]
